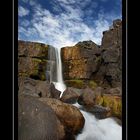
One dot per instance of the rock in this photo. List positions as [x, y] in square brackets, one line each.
[87, 97]
[32, 59]
[114, 91]
[113, 102]
[69, 115]
[69, 96]
[81, 60]
[32, 67]
[32, 49]
[27, 86]
[99, 111]
[54, 92]
[88, 61]
[37, 121]
[37, 88]
[80, 84]
[111, 55]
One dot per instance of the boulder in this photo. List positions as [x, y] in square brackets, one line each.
[69, 96]
[99, 111]
[37, 88]
[87, 97]
[54, 92]
[69, 115]
[37, 121]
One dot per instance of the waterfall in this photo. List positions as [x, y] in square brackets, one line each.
[54, 69]
[59, 84]
[94, 129]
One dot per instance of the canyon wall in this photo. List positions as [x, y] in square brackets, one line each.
[89, 61]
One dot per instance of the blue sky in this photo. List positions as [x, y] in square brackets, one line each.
[66, 22]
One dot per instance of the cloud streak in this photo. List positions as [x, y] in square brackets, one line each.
[22, 11]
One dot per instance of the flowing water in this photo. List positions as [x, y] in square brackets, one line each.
[94, 129]
[59, 84]
[55, 69]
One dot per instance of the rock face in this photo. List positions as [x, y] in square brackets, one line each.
[81, 60]
[37, 121]
[37, 88]
[32, 60]
[114, 102]
[69, 115]
[88, 61]
[102, 103]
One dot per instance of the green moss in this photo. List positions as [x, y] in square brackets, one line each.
[75, 83]
[36, 60]
[92, 84]
[112, 102]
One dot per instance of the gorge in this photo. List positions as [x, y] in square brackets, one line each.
[85, 103]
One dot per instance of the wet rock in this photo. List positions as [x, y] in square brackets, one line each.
[99, 111]
[54, 92]
[69, 115]
[69, 96]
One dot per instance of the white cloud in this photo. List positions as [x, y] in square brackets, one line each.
[25, 23]
[67, 28]
[22, 11]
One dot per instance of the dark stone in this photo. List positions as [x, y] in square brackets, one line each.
[69, 96]
[37, 121]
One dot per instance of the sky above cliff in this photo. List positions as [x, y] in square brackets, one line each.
[66, 22]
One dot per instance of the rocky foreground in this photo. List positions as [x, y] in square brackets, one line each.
[92, 74]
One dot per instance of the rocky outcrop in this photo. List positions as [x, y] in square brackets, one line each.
[32, 60]
[88, 61]
[69, 115]
[37, 88]
[80, 61]
[37, 121]
[114, 102]
[102, 102]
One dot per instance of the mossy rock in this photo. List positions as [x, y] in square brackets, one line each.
[32, 67]
[111, 101]
[75, 83]
[92, 84]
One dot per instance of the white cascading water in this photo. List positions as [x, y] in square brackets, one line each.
[94, 129]
[59, 85]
